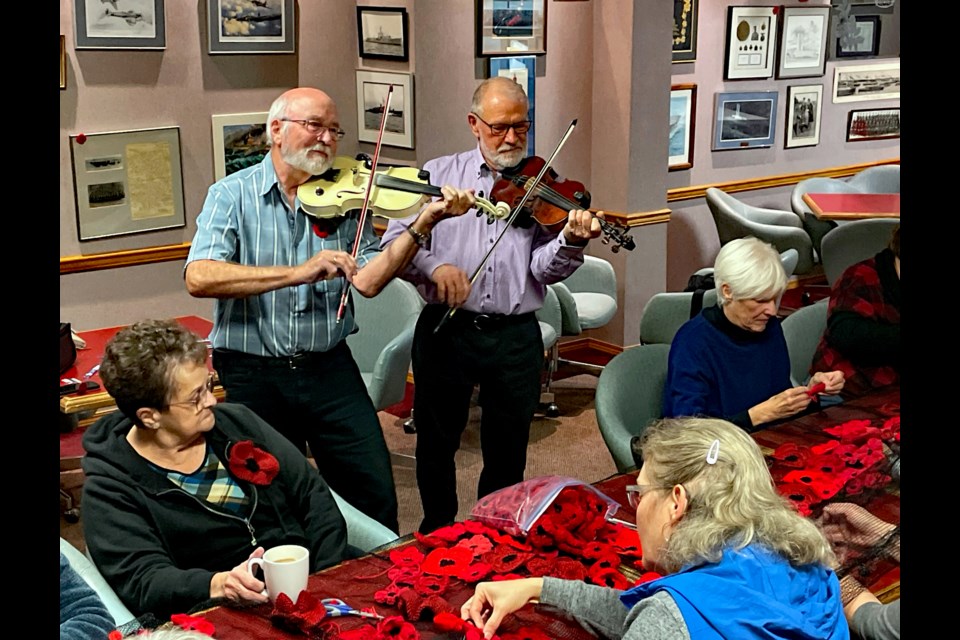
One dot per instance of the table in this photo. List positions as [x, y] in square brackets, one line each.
[357, 580]
[853, 206]
[96, 340]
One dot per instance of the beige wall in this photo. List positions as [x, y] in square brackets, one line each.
[608, 65]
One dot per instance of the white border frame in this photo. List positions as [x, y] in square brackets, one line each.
[839, 72]
[218, 44]
[720, 100]
[789, 141]
[219, 123]
[84, 40]
[732, 69]
[402, 88]
[818, 67]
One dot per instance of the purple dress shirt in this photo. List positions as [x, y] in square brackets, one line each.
[515, 277]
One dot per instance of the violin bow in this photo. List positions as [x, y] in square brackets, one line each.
[531, 186]
[366, 199]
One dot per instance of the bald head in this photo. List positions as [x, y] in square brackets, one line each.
[302, 102]
[498, 92]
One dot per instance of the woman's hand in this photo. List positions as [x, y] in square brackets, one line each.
[492, 601]
[832, 380]
[783, 405]
[238, 585]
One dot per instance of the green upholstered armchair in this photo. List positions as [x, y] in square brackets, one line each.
[802, 330]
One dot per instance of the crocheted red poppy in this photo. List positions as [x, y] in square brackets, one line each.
[823, 485]
[890, 428]
[609, 561]
[428, 585]
[252, 464]
[526, 633]
[800, 495]
[447, 562]
[507, 539]
[875, 479]
[450, 533]
[475, 572]
[415, 607]
[477, 527]
[304, 617]
[791, 454]
[478, 544]
[388, 595]
[607, 577]
[404, 576]
[503, 559]
[406, 556]
[624, 540]
[398, 628]
[855, 431]
[193, 623]
[564, 568]
[430, 541]
[597, 549]
[450, 623]
[870, 453]
[647, 576]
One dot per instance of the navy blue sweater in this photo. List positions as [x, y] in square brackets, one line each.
[719, 370]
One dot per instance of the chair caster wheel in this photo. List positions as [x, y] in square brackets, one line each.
[409, 426]
[552, 410]
[72, 516]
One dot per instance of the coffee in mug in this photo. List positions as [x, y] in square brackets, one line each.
[285, 570]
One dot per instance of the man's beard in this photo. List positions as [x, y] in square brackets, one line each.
[301, 159]
[504, 157]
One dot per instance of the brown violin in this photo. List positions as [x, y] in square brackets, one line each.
[551, 201]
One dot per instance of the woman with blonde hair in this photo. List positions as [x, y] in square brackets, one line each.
[738, 560]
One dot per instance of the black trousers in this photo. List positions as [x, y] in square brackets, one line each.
[320, 399]
[504, 356]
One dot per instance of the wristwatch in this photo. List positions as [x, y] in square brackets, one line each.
[420, 238]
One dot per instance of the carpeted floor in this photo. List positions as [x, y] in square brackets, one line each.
[569, 445]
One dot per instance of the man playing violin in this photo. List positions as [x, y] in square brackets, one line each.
[278, 277]
[493, 339]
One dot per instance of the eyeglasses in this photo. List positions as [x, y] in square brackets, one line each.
[500, 129]
[317, 128]
[201, 396]
[637, 491]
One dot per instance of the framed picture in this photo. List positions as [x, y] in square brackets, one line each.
[240, 140]
[685, 30]
[372, 87]
[127, 182]
[867, 82]
[751, 42]
[683, 113]
[744, 120]
[873, 124]
[63, 64]
[382, 33]
[803, 115]
[251, 26]
[523, 71]
[506, 27]
[803, 42]
[119, 24]
[862, 40]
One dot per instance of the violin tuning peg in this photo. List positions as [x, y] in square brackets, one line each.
[615, 248]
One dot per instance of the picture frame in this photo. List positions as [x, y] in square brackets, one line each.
[804, 108]
[123, 24]
[63, 63]
[264, 26]
[865, 42]
[523, 70]
[685, 30]
[372, 89]
[127, 182]
[803, 42]
[382, 33]
[873, 124]
[240, 140]
[751, 42]
[511, 27]
[867, 82]
[683, 115]
[744, 120]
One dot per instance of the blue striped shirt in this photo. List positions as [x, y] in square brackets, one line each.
[247, 220]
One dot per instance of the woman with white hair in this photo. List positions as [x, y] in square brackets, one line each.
[738, 561]
[731, 360]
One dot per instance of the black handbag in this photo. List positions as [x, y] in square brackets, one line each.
[68, 350]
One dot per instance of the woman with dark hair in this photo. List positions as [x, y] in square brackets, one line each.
[738, 560]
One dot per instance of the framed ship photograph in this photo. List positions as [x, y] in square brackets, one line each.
[745, 120]
[127, 182]
[683, 113]
[372, 88]
[382, 33]
[751, 42]
[511, 27]
[260, 26]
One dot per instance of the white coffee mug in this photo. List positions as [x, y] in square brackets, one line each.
[285, 570]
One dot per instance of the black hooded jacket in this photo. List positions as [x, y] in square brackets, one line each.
[159, 546]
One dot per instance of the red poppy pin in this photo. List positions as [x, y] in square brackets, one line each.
[193, 623]
[252, 464]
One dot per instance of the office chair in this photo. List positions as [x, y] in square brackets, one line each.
[816, 227]
[883, 178]
[588, 299]
[853, 242]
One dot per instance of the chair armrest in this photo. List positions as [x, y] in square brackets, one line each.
[569, 317]
[775, 216]
[363, 532]
[550, 312]
[389, 378]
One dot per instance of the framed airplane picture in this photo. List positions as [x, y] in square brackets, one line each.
[119, 24]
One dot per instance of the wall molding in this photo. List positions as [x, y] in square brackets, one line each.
[171, 252]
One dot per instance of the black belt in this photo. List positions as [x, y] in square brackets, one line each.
[297, 360]
[491, 321]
